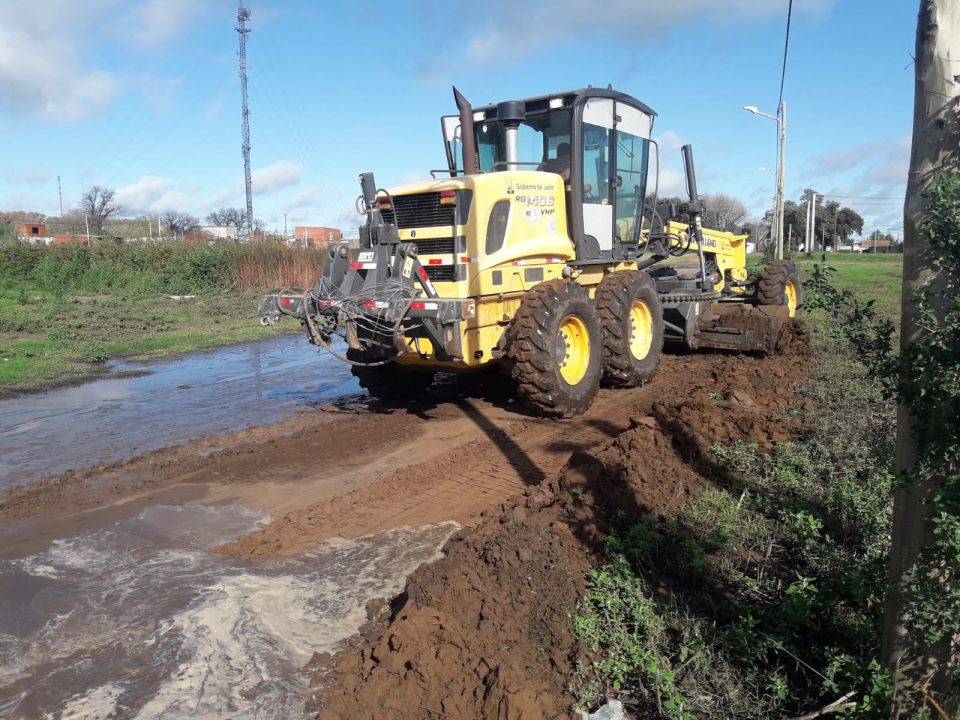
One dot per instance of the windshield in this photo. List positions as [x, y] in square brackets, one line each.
[542, 137]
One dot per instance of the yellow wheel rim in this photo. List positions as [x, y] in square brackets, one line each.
[791, 293]
[641, 330]
[575, 349]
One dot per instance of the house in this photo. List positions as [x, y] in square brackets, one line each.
[220, 232]
[314, 237]
[33, 232]
[877, 246]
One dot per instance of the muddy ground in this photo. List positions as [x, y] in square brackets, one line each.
[485, 631]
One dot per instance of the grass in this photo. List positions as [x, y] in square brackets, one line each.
[763, 596]
[871, 277]
[53, 340]
[65, 310]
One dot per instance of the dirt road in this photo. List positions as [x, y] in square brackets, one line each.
[345, 471]
[485, 631]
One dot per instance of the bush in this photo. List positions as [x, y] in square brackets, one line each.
[170, 267]
[770, 585]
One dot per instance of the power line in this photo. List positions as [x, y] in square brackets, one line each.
[786, 45]
[860, 197]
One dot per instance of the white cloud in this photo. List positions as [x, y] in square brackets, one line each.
[513, 33]
[43, 68]
[155, 23]
[30, 176]
[151, 195]
[307, 198]
[281, 174]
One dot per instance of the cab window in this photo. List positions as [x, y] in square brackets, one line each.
[631, 182]
[596, 165]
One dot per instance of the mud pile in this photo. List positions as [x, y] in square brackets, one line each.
[486, 632]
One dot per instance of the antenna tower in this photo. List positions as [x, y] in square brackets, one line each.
[243, 15]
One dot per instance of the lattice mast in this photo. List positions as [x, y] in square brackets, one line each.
[243, 15]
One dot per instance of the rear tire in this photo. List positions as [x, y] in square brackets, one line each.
[554, 349]
[779, 284]
[390, 381]
[632, 320]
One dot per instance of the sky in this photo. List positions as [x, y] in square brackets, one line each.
[143, 96]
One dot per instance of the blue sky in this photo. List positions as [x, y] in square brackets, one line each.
[143, 95]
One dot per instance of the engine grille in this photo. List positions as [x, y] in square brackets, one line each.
[419, 210]
[441, 273]
[438, 246]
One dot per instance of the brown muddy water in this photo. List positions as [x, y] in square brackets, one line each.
[140, 620]
[147, 406]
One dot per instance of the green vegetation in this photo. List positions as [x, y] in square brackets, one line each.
[66, 309]
[763, 597]
[776, 576]
[870, 277]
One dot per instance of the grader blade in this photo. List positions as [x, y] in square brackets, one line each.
[738, 326]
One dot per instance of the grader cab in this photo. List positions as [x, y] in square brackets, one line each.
[541, 250]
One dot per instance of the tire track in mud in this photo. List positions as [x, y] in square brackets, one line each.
[502, 456]
[344, 472]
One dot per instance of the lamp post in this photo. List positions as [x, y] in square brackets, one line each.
[781, 119]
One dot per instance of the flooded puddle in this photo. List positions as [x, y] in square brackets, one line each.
[140, 620]
[164, 403]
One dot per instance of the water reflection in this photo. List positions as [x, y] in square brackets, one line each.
[164, 403]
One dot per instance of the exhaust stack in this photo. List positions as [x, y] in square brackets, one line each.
[467, 139]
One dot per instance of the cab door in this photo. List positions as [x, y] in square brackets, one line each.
[632, 150]
[596, 163]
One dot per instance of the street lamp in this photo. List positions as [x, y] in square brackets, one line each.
[781, 119]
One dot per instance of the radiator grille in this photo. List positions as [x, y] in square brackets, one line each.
[419, 210]
[438, 246]
[441, 273]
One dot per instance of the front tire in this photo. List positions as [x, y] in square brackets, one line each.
[779, 284]
[555, 349]
[390, 381]
[632, 320]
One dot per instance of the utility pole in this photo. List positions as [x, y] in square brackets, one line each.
[776, 227]
[284, 225]
[813, 219]
[790, 238]
[60, 193]
[243, 15]
[781, 174]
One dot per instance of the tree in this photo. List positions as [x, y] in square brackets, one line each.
[98, 202]
[919, 663]
[181, 223]
[834, 224]
[723, 212]
[226, 217]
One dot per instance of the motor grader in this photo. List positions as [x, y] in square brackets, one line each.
[539, 248]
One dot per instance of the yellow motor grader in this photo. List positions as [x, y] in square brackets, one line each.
[540, 249]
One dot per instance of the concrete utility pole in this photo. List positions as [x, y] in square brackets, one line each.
[813, 220]
[284, 225]
[781, 174]
[921, 669]
[60, 193]
[776, 227]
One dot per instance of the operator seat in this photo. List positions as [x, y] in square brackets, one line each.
[560, 164]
